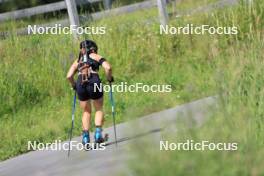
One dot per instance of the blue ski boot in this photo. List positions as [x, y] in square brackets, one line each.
[85, 138]
[98, 138]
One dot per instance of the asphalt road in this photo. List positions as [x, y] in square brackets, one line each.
[112, 160]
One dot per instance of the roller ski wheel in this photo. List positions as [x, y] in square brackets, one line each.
[101, 142]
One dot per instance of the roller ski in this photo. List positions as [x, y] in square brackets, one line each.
[86, 140]
[99, 140]
[98, 137]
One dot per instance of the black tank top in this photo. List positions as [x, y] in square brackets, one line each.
[87, 60]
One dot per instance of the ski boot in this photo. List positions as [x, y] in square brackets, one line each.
[98, 137]
[86, 139]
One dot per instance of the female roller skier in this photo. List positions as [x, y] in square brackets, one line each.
[87, 67]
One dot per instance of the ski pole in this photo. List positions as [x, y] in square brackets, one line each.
[113, 110]
[72, 122]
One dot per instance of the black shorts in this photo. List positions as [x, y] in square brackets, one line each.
[90, 90]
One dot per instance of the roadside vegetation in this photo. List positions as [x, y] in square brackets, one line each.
[35, 102]
[36, 98]
[233, 68]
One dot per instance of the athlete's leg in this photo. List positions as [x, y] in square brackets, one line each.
[86, 119]
[99, 118]
[99, 114]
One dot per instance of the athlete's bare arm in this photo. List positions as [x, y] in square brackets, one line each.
[108, 70]
[71, 72]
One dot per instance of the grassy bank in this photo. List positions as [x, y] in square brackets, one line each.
[238, 70]
[36, 99]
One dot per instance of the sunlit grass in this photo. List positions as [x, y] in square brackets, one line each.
[35, 92]
[238, 76]
[36, 98]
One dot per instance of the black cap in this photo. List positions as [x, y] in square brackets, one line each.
[89, 45]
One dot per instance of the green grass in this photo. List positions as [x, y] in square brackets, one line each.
[237, 70]
[36, 98]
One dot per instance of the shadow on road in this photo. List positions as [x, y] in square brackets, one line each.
[135, 136]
